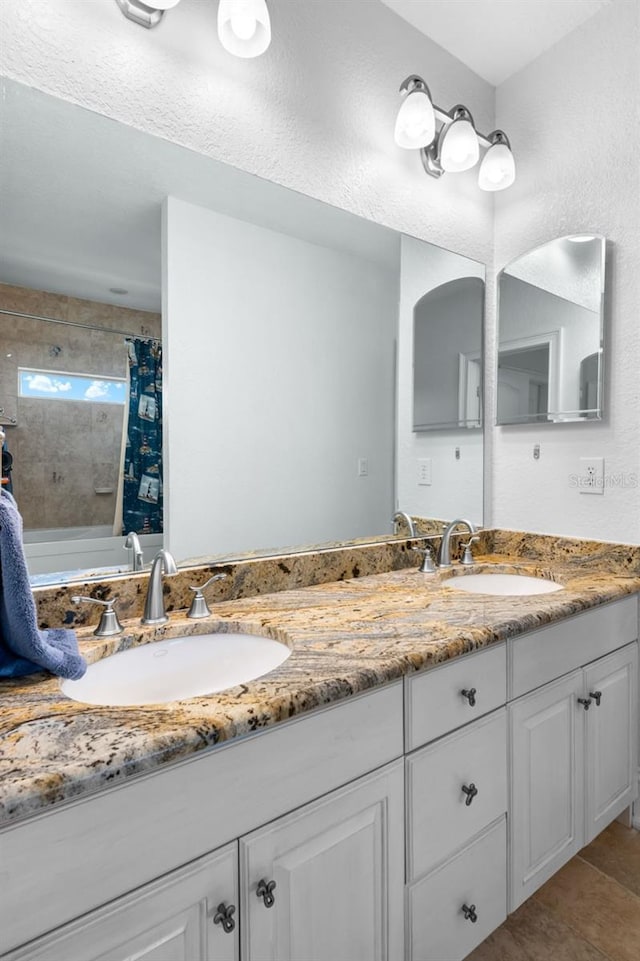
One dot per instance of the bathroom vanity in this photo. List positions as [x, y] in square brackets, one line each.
[436, 757]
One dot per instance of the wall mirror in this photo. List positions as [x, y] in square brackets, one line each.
[279, 332]
[551, 333]
[447, 355]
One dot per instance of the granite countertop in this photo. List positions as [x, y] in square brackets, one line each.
[346, 637]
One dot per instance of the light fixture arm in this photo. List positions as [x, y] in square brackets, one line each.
[140, 13]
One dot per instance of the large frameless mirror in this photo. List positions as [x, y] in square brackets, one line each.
[551, 333]
[278, 319]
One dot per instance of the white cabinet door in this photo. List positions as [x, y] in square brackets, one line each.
[611, 740]
[171, 919]
[338, 867]
[547, 767]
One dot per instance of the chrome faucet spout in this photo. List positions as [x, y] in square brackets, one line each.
[132, 543]
[407, 519]
[444, 554]
[154, 610]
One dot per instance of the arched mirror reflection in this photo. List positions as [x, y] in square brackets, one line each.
[447, 361]
[550, 333]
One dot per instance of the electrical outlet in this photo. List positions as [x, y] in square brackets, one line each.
[424, 472]
[363, 466]
[591, 475]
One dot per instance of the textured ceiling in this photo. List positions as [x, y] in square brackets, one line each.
[496, 38]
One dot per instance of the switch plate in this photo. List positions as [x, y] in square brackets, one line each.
[591, 475]
[424, 472]
[363, 466]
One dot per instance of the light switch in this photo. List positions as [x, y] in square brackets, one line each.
[363, 466]
[424, 472]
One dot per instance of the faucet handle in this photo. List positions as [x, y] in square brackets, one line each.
[428, 566]
[199, 606]
[467, 557]
[109, 624]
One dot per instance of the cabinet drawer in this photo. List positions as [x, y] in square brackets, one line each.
[476, 877]
[435, 704]
[440, 820]
[542, 656]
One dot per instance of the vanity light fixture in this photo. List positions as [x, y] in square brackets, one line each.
[416, 121]
[244, 26]
[455, 147]
[498, 168]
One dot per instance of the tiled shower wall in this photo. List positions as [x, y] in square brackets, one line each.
[64, 452]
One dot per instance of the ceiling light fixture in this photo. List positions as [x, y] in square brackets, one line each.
[455, 147]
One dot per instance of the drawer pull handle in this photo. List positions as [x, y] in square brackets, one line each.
[597, 696]
[224, 916]
[585, 701]
[265, 891]
[470, 696]
[469, 911]
[471, 790]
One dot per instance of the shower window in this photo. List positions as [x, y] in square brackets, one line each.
[60, 385]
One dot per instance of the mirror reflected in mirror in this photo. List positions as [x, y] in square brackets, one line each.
[447, 347]
[550, 343]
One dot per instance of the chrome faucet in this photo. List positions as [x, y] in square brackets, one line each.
[403, 516]
[132, 543]
[154, 612]
[444, 554]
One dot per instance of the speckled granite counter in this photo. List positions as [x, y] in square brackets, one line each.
[346, 636]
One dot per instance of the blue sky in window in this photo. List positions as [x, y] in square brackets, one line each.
[59, 386]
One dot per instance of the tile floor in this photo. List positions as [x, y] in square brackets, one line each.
[589, 911]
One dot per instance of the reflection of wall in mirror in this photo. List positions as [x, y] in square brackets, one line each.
[281, 358]
[456, 487]
[66, 452]
[527, 310]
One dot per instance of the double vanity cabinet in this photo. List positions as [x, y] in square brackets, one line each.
[401, 823]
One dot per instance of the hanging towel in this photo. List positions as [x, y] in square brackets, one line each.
[23, 648]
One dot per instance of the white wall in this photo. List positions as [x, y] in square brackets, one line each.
[456, 488]
[315, 113]
[573, 120]
[279, 377]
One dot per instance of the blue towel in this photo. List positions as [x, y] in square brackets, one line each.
[23, 648]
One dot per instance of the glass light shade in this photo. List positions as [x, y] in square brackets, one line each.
[459, 147]
[244, 27]
[160, 4]
[416, 121]
[498, 168]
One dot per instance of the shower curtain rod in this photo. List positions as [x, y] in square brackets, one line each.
[68, 323]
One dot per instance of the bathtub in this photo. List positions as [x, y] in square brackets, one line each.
[55, 555]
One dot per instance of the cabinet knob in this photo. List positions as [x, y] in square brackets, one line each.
[470, 696]
[596, 695]
[470, 790]
[224, 916]
[469, 911]
[585, 701]
[265, 891]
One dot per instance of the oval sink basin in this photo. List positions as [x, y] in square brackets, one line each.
[177, 669]
[503, 585]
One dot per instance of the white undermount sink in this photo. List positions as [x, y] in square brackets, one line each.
[176, 669]
[503, 585]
